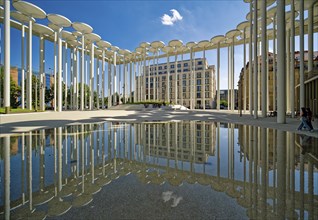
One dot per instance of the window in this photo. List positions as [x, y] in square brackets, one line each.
[184, 89]
[186, 70]
[160, 73]
[184, 76]
[207, 74]
[184, 82]
[207, 81]
[198, 81]
[200, 68]
[160, 67]
[163, 78]
[198, 88]
[207, 88]
[199, 75]
[179, 65]
[170, 77]
[199, 62]
[172, 71]
[185, 64]
[207, 95]
[184, 94]
[172, 66]
[198, 95]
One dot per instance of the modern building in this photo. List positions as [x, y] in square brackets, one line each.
[311, 85]
[202, 83]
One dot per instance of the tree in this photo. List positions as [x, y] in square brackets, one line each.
[15, 91]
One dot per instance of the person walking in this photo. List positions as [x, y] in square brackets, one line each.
[309, 119]
[303, 119]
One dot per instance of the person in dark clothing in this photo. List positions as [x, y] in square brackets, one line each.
[309, 118]
[303, 119]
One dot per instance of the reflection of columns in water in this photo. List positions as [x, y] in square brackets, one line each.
[115, 148]
[83, 155]
[60, 147]
[29, 169]
[92, 148]
[281, 174]
[22, 168]
[255, 162]
[302, 183]
[311, 189]
[218, 149]
[65, 156]
[6, 153]
[42, 159]
[55, 165]
[176, 144]
[263, 152]
[292, 174]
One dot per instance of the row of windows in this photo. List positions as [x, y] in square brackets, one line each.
[184, 76]
[172, 66]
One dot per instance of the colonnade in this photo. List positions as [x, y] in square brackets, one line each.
[125, 88]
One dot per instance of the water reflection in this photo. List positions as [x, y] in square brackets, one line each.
[270, 173]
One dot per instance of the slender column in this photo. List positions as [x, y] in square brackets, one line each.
[29, 77]
[194, 80]
[134, 77]
[82, 72]
[76, 62]
[244, 66]
[168, 79]
[310, 37]
[287, 69]
[59, 71]
[218, 73]
[109, 102]
[232, 75]
[255, 73]
[203, 79]
[98, 81]
[281, 163]
[229, 78]
[148, 79]
[92, 75]
[292, 60]
[191, 79]
[301, 57]
[176, 79]
[42, 74]
[181, 81]
[22, 66]
[281, 63]
[103, 79]
[250, 57]
[131, 82]
[65, 76]
[115, 78]
[54, 69]
[264, 59]
[274, 63]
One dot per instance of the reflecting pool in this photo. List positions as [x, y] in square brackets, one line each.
[178, 169]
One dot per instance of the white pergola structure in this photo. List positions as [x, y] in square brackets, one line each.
[260, 15]
[24, 20]
[61, 22]
[32, 11]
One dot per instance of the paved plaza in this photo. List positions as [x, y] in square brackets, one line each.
[15, 123]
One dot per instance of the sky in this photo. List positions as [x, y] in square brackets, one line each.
[128, 23]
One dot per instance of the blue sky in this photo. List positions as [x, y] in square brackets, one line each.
[128, 23]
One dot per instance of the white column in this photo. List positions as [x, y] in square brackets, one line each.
[244, 66]
[7, 60]
[65, 76]
[181, 80]
[232, 75]
[103, 79]
[203, 81]
[59, 71]
[109, 89]
[168, 79]
[148, 79]
[292, 61]
[131, 81]
[264, 59]
[288, 69]
[191, 80]
[92, 74]
[229, 77]
[176, 81]
[218, 75]
[54, 69]
[274, 63]
[310, 37]
[98, 81]
[281, 62]
[255, 83]
[115, 78]
[301, 57]
[82, 72]
[134, 77]
[29, 76]
[42, 75]
[250, 57]
[22, 66]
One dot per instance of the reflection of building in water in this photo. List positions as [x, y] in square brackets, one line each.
[183, 141]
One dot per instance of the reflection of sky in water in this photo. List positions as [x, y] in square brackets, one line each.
[99, 141]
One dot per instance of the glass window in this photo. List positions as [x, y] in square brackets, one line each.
[184, 82]
[207, 88]
[184, 89]
[207, 74]
[172, 71]
[198, 75]
[186, 70]
[207, 95]
[198, 95]
[198, 81]
[200, 68]
[207, 81]
[179, 65]
[186, 64]
[160, 67]
[199, 62]
[184, 76]
[170, 77]
[198, 88]
[163, 77]
[172, 66]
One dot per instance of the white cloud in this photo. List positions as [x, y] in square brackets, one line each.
[168, 20]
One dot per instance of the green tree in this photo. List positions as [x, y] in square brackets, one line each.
[15, 90]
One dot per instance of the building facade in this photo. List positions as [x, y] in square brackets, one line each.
[203, 83]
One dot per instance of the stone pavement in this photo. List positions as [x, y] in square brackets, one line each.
[16, 123]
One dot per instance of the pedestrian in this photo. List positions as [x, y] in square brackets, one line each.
[303, 119]
[309, 118]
